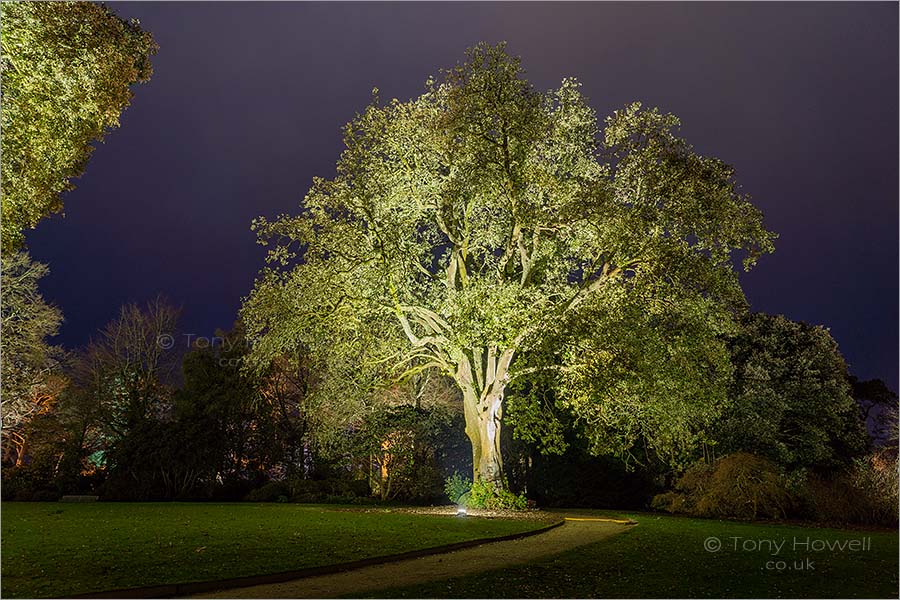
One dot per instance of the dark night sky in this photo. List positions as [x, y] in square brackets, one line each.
[247, 101]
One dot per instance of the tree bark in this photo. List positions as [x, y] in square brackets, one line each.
[482, 379]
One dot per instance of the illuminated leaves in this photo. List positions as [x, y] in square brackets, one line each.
[485, 219]
[66, 69]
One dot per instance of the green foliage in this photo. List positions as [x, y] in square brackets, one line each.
[647, 373]
[469, 230]
[485, 495]
[402, 446]
[66, 70]
[481, 494]
[333, 490]
[537, 415]
[791, 401]
[456, 486]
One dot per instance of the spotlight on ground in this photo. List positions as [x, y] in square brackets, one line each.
[460, 511]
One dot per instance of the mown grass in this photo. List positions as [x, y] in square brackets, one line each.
[54, 549]
[665, 557]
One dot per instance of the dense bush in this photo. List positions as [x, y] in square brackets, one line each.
[791, 401]
[485, 495]
[456, 486]
[741, 486]
[22, 483]
[744, 486]
[158, 460]
[875, 477]
[461, 490]
[331, 490]
[269, 492]
[312, 491]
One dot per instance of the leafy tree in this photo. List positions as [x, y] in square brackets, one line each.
[466, 226]
[158, 459]
[29, 362]
[402, 444]
[242, 431]
[791, 401]
[66, 72]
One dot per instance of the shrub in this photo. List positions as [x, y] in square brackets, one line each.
[456, 486]
[875, 478]
[485, 495]
[672, 502]
[329, 491]
[746, 487]
[270, 492]
[866, 494]
[401, 448]
[740, 485]
[46, 496]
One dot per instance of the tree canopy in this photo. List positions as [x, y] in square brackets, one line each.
[791, 398]
[66, 71]
[466, 227]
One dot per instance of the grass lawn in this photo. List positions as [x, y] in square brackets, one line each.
[665, 557]
[52, 549]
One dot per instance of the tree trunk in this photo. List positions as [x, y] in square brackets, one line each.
[483, 422]
[483, 379]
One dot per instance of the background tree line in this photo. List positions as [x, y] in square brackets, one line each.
[133, 420]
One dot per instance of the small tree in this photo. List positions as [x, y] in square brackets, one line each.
[30, 365]
[464, 227]
[402, 443]
[128, 368]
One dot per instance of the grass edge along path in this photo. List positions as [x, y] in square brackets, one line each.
[199, 587]
[359, 582]
[670, 557]
[51, 550]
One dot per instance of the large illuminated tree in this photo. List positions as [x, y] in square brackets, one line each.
[465, 227]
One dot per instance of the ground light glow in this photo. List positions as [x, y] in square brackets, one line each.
[460, 511]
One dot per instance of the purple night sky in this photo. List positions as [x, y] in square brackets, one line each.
[247, 101]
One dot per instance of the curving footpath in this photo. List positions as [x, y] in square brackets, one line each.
[575, 532]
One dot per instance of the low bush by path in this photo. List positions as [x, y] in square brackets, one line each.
[676, 557]
[53, 549]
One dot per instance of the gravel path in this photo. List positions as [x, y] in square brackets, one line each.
[357, 582]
